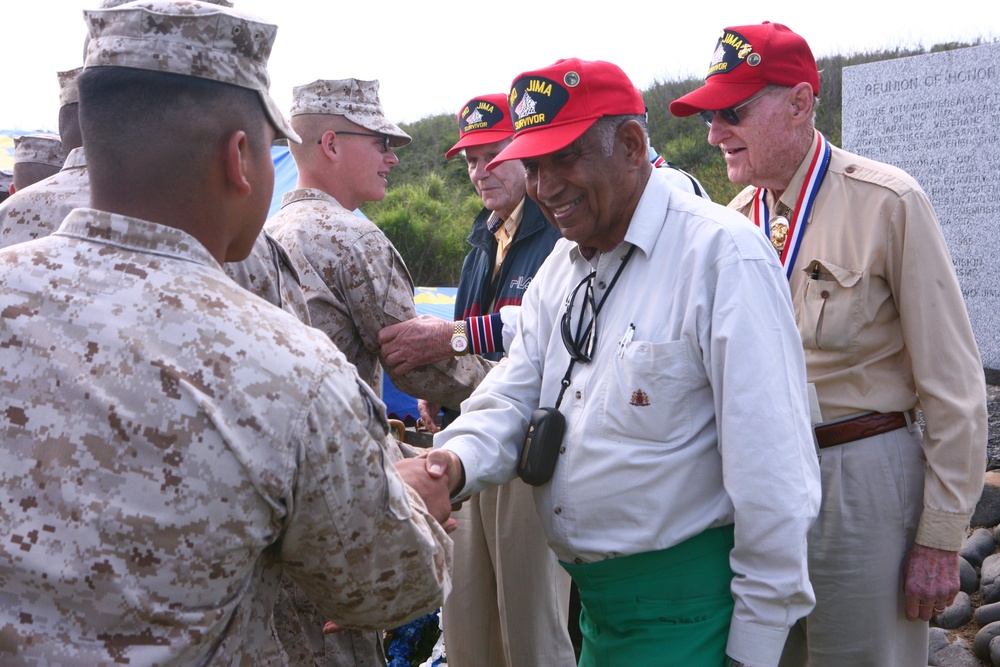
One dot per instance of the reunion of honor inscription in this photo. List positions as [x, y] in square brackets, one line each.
[937, 116]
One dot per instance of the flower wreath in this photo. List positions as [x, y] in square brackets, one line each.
[419, 643]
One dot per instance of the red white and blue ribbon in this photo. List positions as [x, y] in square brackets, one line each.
[818, 165]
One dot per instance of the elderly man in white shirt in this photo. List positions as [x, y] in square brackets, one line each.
[661, 329]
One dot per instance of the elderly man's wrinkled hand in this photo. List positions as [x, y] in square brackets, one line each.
[930, 580]
[422, 340]
[428, 415]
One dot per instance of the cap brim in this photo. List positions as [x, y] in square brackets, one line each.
[712, 97]
[478, 138]
[397, 137]
[281, 125]
[542, 140]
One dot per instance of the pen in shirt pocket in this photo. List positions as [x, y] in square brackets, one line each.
[626, 339]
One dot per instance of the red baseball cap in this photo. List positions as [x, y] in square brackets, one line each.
[483, 120]
[746, 59]
[552, 107]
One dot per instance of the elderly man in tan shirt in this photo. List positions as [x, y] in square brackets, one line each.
[885, 331]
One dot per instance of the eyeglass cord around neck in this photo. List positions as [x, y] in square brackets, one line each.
[569, 370]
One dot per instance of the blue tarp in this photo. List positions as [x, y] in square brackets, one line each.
[437, 301]
[285, 176]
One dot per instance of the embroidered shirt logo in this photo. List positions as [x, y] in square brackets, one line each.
[639, 398]
[520, 283]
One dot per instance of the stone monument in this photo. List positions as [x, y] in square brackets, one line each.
[937, 116]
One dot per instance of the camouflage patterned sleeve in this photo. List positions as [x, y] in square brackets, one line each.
[381, 293]
[358, 540]
[268, 273]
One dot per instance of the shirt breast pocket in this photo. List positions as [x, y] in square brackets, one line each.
[647, 396]
[829, 316]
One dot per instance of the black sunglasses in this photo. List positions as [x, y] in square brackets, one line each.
[729, 113]
[580, 343]
[384, 137]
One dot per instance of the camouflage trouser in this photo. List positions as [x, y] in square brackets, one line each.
[300, 629]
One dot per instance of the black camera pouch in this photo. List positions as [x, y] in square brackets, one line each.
[541, 446]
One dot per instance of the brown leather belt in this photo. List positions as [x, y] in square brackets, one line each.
[864, 426]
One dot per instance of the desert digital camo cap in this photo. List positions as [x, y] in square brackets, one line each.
[108, 4]
[191, 38]
[69, 93]
[354, 99]
[40, 149]
[483, 120]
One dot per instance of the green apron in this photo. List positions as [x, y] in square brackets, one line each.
[665, 608]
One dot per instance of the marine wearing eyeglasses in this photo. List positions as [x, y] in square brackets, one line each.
[353, 278]
[662, 328]
[884, 327]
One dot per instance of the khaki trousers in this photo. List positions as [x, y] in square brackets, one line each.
[872, 500]
[510, 598]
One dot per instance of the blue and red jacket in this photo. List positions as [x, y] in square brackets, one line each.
[532, 243]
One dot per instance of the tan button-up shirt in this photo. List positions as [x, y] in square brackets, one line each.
[505, 231]
[884, 325]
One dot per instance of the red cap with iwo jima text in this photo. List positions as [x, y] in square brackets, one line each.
[552, 107]
[747, 58]
[482, 120]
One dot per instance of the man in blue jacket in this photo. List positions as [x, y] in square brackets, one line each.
[509, 604]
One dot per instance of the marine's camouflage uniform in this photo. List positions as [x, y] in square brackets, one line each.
[37, 210]
[269, 273]
[355, 284]
[170, 446]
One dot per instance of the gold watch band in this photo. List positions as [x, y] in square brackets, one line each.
[460, 339]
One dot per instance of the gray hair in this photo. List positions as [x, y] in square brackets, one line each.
[606, 128]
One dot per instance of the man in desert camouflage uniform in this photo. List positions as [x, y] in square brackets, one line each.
[37, 212]
[36, 156]
[172, 445]
[69, 110]
[354, 279]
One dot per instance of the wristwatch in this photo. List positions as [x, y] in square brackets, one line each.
[459, 339]
[734, 663]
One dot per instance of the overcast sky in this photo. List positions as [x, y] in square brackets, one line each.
[432, 56]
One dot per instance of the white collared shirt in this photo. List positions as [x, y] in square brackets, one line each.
[647, 463]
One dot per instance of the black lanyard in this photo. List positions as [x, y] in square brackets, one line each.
[569, 370]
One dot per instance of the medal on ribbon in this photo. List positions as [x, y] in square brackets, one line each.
[784, 234]
[779, 232]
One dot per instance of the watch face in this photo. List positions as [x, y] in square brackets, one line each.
[459, 343]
